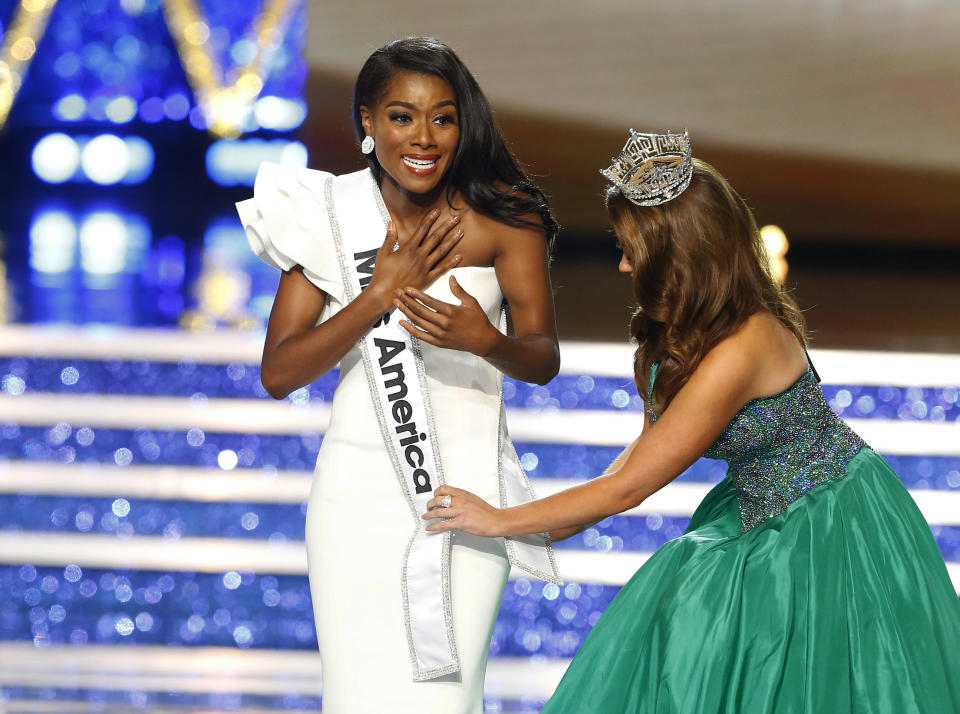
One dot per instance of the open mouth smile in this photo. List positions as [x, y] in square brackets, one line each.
[420, 165]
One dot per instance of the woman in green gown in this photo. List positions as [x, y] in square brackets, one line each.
[807, 580]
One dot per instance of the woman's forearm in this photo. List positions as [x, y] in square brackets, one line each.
[562, 533]
[530, 358]
[586, 503]
[302, 358]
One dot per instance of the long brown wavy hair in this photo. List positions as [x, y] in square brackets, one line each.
[700, 269]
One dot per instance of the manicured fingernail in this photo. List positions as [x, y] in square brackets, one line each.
[455, 219]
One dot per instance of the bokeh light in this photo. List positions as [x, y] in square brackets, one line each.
[103, 243]
[235, 161]
[55, 158]
[53, 238]
[775, 241]
[140, 159]
[121, 110]
[105, 159]
[72, 107]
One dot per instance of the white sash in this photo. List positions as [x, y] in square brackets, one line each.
[394, 369]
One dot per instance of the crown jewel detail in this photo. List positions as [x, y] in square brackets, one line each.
[652, 168]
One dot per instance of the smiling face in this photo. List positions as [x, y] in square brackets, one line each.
[416, 129]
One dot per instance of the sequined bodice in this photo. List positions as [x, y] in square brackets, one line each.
[781, 447]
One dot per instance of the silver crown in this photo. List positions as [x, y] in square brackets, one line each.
[652, 168]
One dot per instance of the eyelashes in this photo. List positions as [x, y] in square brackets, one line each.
[404, 118]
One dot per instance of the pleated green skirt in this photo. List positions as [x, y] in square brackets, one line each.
[840, 604]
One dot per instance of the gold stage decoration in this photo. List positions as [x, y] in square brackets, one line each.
[225, 98]
[19, 47]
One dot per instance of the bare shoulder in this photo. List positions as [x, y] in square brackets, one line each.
[526, 238]
[493, 238]
[763, 354]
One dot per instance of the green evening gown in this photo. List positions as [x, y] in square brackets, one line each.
[807, 581]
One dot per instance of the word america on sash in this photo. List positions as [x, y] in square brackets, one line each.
[394, 378]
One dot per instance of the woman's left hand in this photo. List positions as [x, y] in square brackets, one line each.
[457, 327]
[466, 512]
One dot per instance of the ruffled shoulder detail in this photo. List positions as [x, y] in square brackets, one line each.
[286, 224]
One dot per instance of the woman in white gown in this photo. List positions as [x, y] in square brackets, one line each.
[444, 220]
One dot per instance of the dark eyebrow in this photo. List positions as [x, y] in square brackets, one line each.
[409, 105]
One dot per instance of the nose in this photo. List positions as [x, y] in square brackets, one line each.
[423, 137]
[625, 266]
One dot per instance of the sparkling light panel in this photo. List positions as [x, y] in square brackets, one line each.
[234, 66]
[152, 490]
[225, 99]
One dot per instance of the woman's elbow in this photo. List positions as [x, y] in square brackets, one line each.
[551, 369]
[273, 384]
[546, 376]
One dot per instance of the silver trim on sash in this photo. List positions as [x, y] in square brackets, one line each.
[441, 477]
[511, 542]
[419, 674]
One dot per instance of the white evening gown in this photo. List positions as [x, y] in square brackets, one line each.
[358, 521]
[358, 524]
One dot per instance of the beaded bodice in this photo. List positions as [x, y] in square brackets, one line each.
[780, 447]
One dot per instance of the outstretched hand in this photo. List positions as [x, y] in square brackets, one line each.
[467, 512]
[457, 327]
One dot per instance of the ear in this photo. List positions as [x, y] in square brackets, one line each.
[366, 120]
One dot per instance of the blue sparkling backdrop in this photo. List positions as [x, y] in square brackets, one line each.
[114, 61]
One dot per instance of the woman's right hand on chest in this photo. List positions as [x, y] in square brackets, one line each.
[419, 258]
[297, 350]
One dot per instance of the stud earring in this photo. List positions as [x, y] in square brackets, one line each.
[366, 146]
